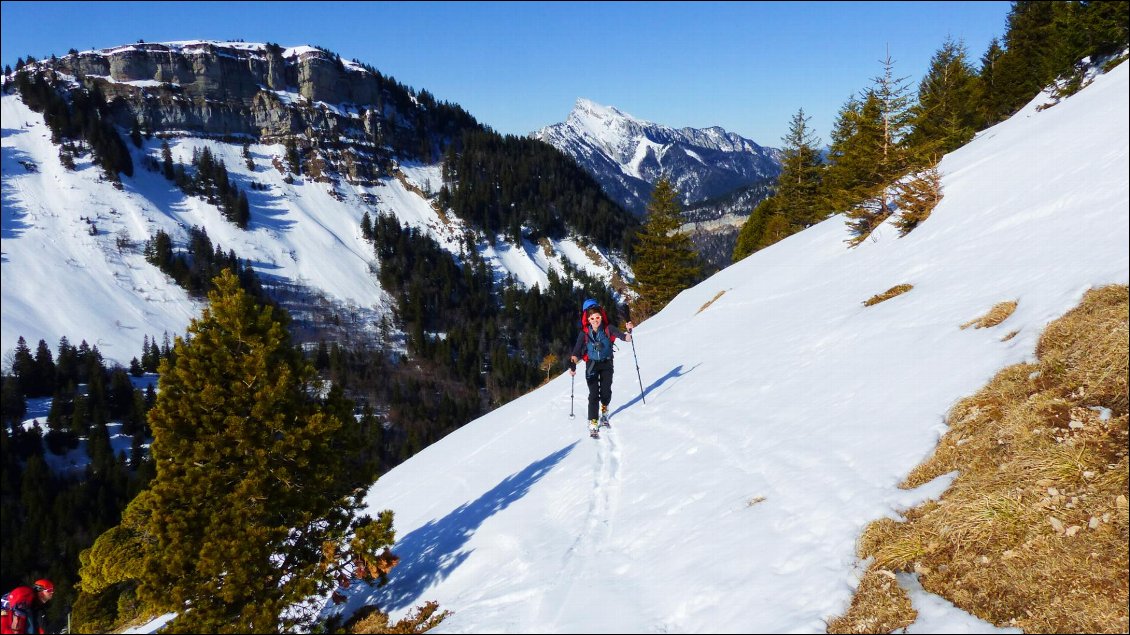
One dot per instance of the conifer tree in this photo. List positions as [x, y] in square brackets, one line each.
[876, 154]
[167, 161]
[854, 155]
[990, 101]
[799, 199]
[946, 116]
[250, 511]
[799, 186]
[749, 236]
[665, 259]
[895, 108]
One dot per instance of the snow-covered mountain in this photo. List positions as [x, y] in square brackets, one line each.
[73, 262]
[778, 414]
[627, 156]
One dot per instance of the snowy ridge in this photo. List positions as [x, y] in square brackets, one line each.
[63, 272]
[628, 155]
[779, 419]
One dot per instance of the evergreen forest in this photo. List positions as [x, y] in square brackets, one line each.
[890, 131]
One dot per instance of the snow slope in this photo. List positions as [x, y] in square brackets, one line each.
[778, 420]
[63, 273]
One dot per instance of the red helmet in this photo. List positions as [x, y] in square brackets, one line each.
[44, 584]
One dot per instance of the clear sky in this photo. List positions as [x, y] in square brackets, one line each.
[519, 66]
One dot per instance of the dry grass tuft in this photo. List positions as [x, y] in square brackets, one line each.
[888, 294]
[999, 313]
[422, 619]
[1033, 532]
[880, 605]
[716, 296]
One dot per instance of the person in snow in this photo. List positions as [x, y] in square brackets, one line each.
[594, 345]
[22, 608]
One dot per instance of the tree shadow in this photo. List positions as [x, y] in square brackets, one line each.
[674, 373]
[268, 210]
[432, 552]
[13, 222]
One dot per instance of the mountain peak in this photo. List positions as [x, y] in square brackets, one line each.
[585, 106]
[627, 156]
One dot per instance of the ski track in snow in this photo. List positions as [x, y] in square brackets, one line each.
[582, 557]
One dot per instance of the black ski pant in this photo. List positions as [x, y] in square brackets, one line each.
[599, 377]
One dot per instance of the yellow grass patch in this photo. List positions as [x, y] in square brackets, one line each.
[999, 313]
[1033, 531]
[716, 296]
[888, 294]
[880, 605]
[422, 619]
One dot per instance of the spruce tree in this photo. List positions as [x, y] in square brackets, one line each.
[946, 115]
[874, 154]
[749, 236]
[250, 511]
[799, 200]
[990, 100]
[799, 185]
[854, 156]
[665, 259]
[895, 107]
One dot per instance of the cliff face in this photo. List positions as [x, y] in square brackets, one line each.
[200, 86]
[266, 93]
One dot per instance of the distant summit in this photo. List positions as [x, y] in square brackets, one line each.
[628, 155]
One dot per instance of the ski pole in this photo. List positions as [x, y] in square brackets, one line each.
[628, 314]
[637, 360]
[572, 382]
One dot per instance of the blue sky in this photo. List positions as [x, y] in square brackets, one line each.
[519, 66]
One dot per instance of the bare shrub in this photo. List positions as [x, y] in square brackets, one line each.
[916, 197]
[709, 302]
[888, 294]
[421, 620]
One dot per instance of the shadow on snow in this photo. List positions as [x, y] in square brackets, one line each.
[432, 552]
[674, 373]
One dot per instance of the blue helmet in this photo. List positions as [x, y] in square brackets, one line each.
[589, 303]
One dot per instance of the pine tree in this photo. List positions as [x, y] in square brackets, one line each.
[167, 161]
[293, 159]
[749, 236]
[251, 509]
[946, 115]
[799, 186]
[855, 153]
[1030, 59]
[895, 107]
[135, 134]
[874, 155]
[665, 259]
[23, 366]
[799, 200]
[990, 100]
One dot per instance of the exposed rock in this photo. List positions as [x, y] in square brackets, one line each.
[261, 92]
